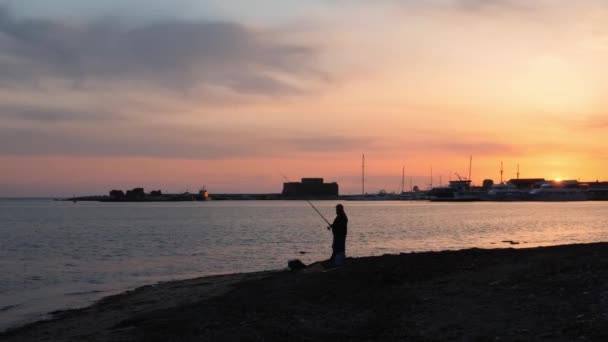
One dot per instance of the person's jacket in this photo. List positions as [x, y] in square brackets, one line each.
[338, 228]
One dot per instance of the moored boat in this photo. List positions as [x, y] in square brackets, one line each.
[456, 191]
[566, 190]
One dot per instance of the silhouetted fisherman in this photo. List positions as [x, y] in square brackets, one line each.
[339, 230]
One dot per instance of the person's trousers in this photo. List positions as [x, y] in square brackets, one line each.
[338, 247]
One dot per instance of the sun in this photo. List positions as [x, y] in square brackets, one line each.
[558, 179]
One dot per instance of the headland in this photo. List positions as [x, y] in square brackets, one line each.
[555, 293]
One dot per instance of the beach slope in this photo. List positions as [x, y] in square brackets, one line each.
[550, 293]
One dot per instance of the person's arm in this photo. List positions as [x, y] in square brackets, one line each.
[331, 226]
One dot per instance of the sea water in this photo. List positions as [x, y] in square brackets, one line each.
[58, 255]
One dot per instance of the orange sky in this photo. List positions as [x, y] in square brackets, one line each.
[230, 99]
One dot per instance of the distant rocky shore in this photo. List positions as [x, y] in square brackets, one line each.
[550, 293]
[139, 195]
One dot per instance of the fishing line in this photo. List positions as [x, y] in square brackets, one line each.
[315, 208]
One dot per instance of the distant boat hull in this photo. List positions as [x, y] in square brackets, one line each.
[456, 199]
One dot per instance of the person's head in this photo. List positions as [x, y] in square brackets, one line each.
[340, 209]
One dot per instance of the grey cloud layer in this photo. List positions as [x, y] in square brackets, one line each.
[209, 59]
[164, 142]
[481, 5]
[169, 53]
[49, 115]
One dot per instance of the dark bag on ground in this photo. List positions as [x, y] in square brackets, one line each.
[295, 264]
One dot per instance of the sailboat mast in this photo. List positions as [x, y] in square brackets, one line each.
[517, 171]
[501, 171]
[363, 175]
[431, 176]
[470, 165]
[402, 178]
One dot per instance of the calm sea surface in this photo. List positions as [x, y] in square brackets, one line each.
[56, 255]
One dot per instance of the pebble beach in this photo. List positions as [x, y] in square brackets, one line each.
[555, 293]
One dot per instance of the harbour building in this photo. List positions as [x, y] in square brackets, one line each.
[310, 188]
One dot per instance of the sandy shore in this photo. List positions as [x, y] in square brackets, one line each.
[550, 293]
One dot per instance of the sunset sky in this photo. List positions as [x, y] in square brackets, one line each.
[177, 94]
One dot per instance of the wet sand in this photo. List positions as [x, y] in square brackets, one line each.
[550, 293]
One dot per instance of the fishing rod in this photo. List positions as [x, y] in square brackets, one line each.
[312, 205]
